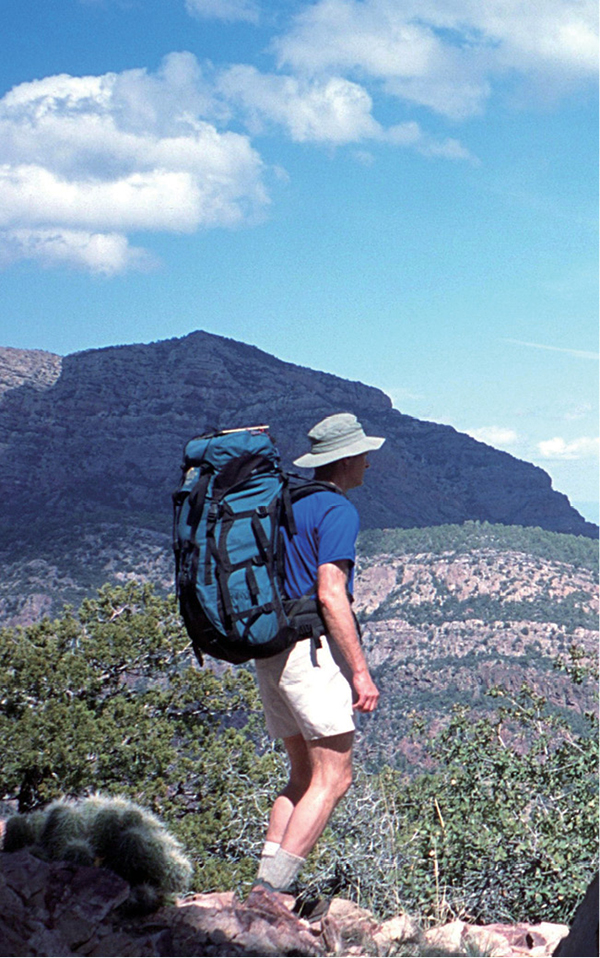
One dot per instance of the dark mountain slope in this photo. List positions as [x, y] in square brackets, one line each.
[103, 443]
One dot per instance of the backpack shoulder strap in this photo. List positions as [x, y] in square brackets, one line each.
[300, 487]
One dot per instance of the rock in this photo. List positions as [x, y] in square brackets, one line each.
[262, 925]
[60, 909]
[524, 939]
[401, 928]
[497, 940]
[27, 367]
[449, 937]
[352, 927]
[55, 908]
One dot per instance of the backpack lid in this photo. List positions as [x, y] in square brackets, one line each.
[217, 449]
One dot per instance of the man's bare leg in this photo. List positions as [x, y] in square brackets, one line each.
[330, 778]
[321, 773]
[298, 783]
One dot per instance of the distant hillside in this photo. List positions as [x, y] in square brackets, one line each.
[94, 452]
[447, 613]
[450, 612]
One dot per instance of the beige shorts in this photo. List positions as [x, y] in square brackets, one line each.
[306, 690]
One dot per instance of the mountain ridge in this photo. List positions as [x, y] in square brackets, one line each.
[104, 439]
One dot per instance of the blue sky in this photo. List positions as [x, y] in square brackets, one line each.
[401, 192]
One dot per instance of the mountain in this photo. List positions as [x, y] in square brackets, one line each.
[27, 367]
[105, 437]
[90, 448]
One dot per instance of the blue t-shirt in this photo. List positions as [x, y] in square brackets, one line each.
[327, 526]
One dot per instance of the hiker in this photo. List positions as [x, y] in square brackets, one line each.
[311, 691]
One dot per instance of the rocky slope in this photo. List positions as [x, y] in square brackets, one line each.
[481, 606]
[442, 629]
[102, 443]
[27, 367]
[58, 908]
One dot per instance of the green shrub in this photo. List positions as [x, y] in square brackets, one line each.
[579, 551]
[109, 697]
[505, 828]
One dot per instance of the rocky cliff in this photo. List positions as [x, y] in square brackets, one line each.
[102, 442]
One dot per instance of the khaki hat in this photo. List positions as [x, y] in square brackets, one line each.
[335, 438]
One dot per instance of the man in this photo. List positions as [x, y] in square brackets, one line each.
[311, 691]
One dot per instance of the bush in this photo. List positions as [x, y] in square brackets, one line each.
[110, 697]
[504, 829]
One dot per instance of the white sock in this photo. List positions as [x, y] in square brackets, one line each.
[280, 870]
[269, 849]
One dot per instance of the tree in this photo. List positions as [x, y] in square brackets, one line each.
[110, 698]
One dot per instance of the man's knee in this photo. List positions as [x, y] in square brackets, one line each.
[344, 781]
[332, 763]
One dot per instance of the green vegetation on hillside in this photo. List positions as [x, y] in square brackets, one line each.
[489, 834]
[489, 609]
[578, 551]
[108, 698]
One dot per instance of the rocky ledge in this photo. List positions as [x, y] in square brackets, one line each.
[57, 908]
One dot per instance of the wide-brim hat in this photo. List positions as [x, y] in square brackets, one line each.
[335, 438]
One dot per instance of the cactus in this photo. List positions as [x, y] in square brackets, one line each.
[62, 825]
[22, 831]
[113, 832]
[142, 900]
[78, 852]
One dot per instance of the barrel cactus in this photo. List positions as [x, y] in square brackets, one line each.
[110, 832]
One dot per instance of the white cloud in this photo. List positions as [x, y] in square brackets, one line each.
[330, 110]
[586, 447]
[154, 199]
[82, 156]
[499, 436]
[245, 10]
[444, 54]
[103, 253]
[410, 134]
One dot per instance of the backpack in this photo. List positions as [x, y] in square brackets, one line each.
[233, 501]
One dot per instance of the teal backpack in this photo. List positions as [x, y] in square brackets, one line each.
[229, 510]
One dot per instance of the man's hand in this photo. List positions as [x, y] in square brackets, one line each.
[366, 691]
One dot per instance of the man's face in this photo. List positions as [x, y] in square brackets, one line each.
[355, 470]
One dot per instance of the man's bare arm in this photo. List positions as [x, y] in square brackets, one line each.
[337, 614]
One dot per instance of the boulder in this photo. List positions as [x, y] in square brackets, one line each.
[497, 940]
